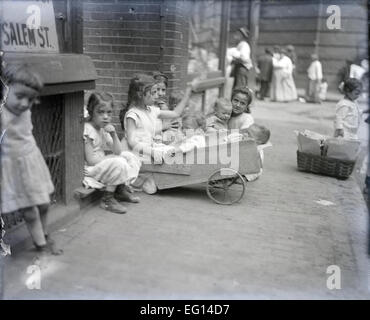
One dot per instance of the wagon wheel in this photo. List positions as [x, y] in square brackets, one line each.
[225, 186]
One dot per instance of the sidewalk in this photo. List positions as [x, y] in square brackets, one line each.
[331, 96]
[276, 244]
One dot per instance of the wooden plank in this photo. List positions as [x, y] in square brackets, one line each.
[283, 25]
[253, 26]
[338, 53]
[209, 84]
[351, 10]
[176, 169]
[353, 25]
[82, 192]
[307, 9]
[77, 26]
[58, 68]
[309, 24]
[199, 175]
[239, 15]
[242, 157]
[330, 38]
[294, 38]
[288, 11]
[224, 37]
[343, 39]
[60, 11]
[67, 87]
[73, 143]
[332, 66]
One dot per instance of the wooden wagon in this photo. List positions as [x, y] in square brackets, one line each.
[221, 166]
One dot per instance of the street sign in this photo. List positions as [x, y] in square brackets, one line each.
[28, 26]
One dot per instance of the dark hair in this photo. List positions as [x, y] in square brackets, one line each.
[160, 77]
[138, 87]
[244, 90]
[351, 84]
[244, 32]
[276, 48]
[268, 51]
[96, 99]
[24, 74]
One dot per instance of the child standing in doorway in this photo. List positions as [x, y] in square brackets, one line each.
[114, 172]
[141, 123]
[26, 183]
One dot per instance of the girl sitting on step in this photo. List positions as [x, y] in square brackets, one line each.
[112, 172]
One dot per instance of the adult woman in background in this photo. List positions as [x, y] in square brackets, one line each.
[283, 88]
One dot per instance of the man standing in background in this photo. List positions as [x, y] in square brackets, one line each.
[264, 73]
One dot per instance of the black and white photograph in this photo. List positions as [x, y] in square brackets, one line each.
[184, 150]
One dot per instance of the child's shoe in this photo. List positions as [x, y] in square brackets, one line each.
[110, 204]
[123, 194]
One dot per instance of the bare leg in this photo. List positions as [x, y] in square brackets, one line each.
[34, 225]
[43, 210]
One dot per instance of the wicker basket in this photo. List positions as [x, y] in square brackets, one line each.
[323, 165]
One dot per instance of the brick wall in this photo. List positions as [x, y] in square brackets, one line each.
[126, 37]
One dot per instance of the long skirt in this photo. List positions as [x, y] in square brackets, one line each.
[283, 88]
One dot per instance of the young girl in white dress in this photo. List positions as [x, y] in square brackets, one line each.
[26, 183]
[141, 121]
[283, 88]
[116, 171]
[348, 114]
